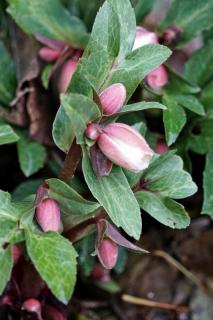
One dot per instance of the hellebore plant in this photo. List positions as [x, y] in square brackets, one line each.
[101, 174]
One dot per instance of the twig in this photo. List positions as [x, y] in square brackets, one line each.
[182, 269]
[154, 304]
[70, 162]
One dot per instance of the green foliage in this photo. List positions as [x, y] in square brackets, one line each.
[192, 17]
[7, 76]
[208, 185]
[6, 264]
[114, 194]
[55, 259]
[51, 20]
[7, 134]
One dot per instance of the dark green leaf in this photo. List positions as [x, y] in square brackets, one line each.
[198, 69]
[165, 210]
[6, 265]
[208, 185]
[26, 188]
[192, 17]
[136, 65]
[7, 134]
[200, 139]
[166, 177]
[63, 134]
[142, 8]
[55, 259]
[80, 110]
[139, 106]
[51, 20]
[7, 76]
[190, 102]
[114, 194]
[31, 156]
[174, 119]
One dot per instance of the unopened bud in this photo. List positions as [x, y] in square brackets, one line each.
[171, 35]
[99, 273]
[112, 98]
[92, 131]
[157, 78]
[48, 54]
[144, 37]
[161, 148]
[48, 215]
[124, 146]
[67, 71]
[107, 253]
[32, 305]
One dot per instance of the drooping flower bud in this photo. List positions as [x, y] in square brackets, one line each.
[107, 253]
[124, 146]
[92, 131]
[171, 35]
[49, 54]
[67, 71]
[48, 215]
[99, 273]
[32, 305]
[112, 98]
[161, 148]
[157, 78]
[144, 37]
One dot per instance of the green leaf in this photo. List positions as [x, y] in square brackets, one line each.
[139, 106]
[208, 185]
[136, 65]
[63, 134]
[192, 17]
[6, 265]
[142, 8]
[71, 203]
[165, 210]
[7, 230]
[31, 156]
[7, 134]
[177, 83]
[26, 188]
[174, 119]
[190, 102]
[54, 21]
[207, 98]
[114, 194]
[200, 139]
[166, 177]
[55, 259]
[80, 110]
[198, 69]
[7, 209]
[7, 76]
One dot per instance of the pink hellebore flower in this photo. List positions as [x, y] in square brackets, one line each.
[67, 71]
[157, 78]
[32, 305]
[124, 146]
[112, 98]
[48, 54]
[107, 253]
[47, 212]
[144, 37]
[161, 148]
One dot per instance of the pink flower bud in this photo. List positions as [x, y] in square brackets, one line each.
[125, 147]
[67, 71]
[92, 131]
[49, 54]
[171, 35]
[48, 215]
[161, 148]
[51, 43]
[113, 98]
[144, 37]
[6, 300]
[32, 305]
[108, 253]
[99, 273]
[157, 78]
[16, 251]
